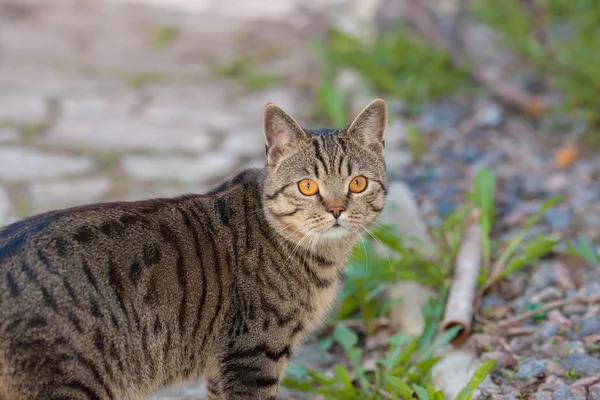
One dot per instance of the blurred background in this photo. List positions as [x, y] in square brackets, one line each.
[129, 99]
[106, 100]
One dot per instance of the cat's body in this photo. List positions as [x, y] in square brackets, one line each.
[113, 301]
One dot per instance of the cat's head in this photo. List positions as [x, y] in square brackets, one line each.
[329, 182]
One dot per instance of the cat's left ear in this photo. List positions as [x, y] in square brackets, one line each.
[369, 126]
[282, 133]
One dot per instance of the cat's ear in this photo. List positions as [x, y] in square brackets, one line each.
[282, 133]
[369, 126]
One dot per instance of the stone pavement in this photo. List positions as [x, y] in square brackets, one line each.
[104, 101]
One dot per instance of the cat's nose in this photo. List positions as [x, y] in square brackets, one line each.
[336, 210]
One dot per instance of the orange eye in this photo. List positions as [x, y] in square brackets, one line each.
[308, 187]
[358, 184]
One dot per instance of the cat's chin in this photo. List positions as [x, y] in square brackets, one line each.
[336, 232]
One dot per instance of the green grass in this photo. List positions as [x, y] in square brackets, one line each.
[557, 41]
[242, 70]
[394, 65]
[560, 43]
[163, 36]
[404, 370]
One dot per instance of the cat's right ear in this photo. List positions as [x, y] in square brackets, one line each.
[282, 133]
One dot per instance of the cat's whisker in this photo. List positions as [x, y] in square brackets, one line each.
[379, 241]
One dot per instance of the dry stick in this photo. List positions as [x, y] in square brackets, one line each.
[459, 308]
[548, 306]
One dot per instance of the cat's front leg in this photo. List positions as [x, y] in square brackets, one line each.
[252, 374]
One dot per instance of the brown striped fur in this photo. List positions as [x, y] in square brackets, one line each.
[113, 301]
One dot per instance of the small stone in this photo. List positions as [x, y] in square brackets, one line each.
[532, 188]
[22, 109]
[554, 368]
[574, 309]
[483, 341]
[490, 115]
[492, 300]
[439, 117]
[8, 135]
[396, 161]
[557, 182]
[589, 290]
[23, 164]
[562, 393]
[589, 326]
[545, 395]
[582, 363]
[579, 393]
[576, 347]
[205, 169]
[46, 196]
[554, 380]
[558, 219]
[594, 392]
[547, 330]
[548, 294]
[530, 367]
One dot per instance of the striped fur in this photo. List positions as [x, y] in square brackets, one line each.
[113, 301]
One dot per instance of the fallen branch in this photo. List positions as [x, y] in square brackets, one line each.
[459, 308]
[548, 306]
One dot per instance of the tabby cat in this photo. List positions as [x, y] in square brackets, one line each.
[116, 300]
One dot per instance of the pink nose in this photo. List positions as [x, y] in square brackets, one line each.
[336, 210]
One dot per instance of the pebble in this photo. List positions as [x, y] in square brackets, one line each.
[589, 290]
[440, 117]
[594, 392]
[576, 347]
[490, 116]
[574, 309]
[582, 363]
[589, 326]
[530, 367]
[492, 300]
[558, 219]
[554, 368]
[547, 330]
[550, 293]
[562, 393]
[545, 395]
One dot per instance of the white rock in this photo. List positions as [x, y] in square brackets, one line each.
[47, 196]
[23, 164]
[405, 316]
[402, 211]
[117, 104]
[22, 109]
[453, 372]
[242, 144]
[127, 134]
[207, 168]
[8, 135]
[4, 207]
